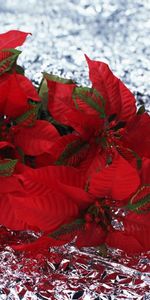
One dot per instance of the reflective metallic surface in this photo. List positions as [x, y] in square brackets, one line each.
[69, 273]
[114, 31]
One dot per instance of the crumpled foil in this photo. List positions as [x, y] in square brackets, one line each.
[116, 32]
[66, 273]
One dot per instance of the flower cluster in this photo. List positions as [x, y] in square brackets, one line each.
[74, 161]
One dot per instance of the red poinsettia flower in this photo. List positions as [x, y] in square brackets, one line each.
[98, 115]
[53, 195]
[121, 102]
[15, 89]
[87, 173]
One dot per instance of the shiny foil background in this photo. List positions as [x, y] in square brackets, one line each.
[116, 32]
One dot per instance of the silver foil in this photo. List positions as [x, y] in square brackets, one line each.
[66, 273]
[116, 32]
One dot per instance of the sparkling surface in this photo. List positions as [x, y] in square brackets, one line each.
[67, 273]
[114, 31]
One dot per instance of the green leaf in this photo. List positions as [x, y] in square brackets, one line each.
[86, 94]
[57, 78]
[134, 154]
[69, 228]
[141, 110]
[43, 90]
[7, 166]
[21, 154]
[20, 70]
[138, 159]
[29, 117]
[10, 57]
[71, 151]
[140, 202]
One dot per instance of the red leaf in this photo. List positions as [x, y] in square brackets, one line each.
[94, 161]
[40, 245]
[145, 171]
[91, 236]
[119, 100]
[27, 87]
[68, 180]
[60, 99]
[12, 39]
[45, 212]
[136, 235]
[3, 56]
[8, 214]
[138, 135]
[62, 143]
[125, 242]
[37, 139]
[118, 180]
[37, 205]
[47, 202]
[86, 125]
[43, 160]
[67, 107]
[15, 91]
[9, 184]
[4, 144]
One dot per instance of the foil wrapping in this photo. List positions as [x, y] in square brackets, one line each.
[114, 31]
[66, 273]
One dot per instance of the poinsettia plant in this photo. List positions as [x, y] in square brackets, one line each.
[74, 161]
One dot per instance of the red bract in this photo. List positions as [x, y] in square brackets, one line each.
[123, 241]
[12, 39]
[100, 116]
[8, 55]
[22, 141]
[15, 91]
[119, 180]
[137, 136]
[135, 237]
[119, 100]
[39, 204]
[91, 236]
[35, 140]
[145, 171]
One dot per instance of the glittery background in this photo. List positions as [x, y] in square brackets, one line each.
[114, 31]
